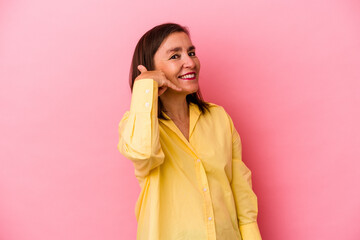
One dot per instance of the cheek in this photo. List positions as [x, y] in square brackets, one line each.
[168, 69]
[172, 70]
[197, 63]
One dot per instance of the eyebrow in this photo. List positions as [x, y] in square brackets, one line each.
[176, 49]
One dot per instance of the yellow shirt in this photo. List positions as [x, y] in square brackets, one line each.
[194, 190]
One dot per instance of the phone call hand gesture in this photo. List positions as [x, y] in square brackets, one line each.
[159, 77]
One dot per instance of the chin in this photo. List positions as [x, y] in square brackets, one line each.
[190, 90]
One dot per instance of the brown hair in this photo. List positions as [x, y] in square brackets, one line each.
[144, 53]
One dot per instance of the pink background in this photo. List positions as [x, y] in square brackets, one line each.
[286, 71]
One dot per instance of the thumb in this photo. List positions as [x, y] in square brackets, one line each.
[142, 68]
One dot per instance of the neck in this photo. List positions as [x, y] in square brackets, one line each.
[175, 106]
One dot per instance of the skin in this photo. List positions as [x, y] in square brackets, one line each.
[168, 67]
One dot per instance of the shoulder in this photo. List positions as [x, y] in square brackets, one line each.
[215, 109]
[218, 112]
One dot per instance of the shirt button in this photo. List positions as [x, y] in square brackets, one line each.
[210, 218]
[204, 189]
[147, 90]
[147, 104]
[198, 160]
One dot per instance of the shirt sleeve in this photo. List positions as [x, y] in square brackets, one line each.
[245, 198]
[139, 129]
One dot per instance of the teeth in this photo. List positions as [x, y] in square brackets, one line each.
[188, 76]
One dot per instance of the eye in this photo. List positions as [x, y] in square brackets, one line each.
[192, 54]
[175, 56]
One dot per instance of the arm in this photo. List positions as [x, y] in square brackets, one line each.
[139, 129]
[245, 198]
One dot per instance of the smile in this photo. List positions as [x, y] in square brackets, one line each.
[188, 76]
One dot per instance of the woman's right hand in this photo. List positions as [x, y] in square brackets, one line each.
[159, 77]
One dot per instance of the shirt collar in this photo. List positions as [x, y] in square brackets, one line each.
[195, 113]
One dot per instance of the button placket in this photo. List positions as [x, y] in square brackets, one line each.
[204, 187]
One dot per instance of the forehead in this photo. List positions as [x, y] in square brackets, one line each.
[177, 39]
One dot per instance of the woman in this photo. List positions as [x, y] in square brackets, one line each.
[186, 152]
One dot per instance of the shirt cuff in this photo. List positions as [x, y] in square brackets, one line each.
[250, 231]
[143, 95]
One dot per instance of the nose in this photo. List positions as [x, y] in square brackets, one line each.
[189, 62]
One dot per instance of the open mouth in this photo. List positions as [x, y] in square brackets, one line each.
[188, 76]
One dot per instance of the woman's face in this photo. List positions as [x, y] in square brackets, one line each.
[177, 59]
